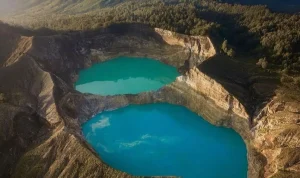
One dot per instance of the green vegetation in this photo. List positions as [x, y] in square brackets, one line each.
[248, 30]
[227, 50]
[262, 62]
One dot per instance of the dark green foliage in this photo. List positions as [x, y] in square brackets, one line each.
[257, 30]
[248, 30]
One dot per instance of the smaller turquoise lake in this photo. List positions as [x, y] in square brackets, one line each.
[166, 140]
[125, 75]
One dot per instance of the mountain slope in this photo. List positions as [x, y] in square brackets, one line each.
[288, 6]
[36, 7]
[244, 30]
[10, 7]
[13, 45]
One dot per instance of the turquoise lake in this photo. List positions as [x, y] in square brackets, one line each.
[125, 75]
[164, 140]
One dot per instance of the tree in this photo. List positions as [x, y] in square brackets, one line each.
[225, 46]
[227, 50]
[262, 62]
[231, 53]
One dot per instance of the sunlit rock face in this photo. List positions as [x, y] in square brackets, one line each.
[165, 139]
[214, 90]
[200, 47]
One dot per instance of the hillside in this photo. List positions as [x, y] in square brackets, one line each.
[239, 67]
[245, 30]
[37, 7]
[287, 6]
[80, 6]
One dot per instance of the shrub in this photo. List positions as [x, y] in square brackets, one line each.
[227, 50]
[262, 62]
[297, 81]
[286, 79]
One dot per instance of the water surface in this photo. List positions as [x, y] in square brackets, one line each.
[125, 75]
[165, 139]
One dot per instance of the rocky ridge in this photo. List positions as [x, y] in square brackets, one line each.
[41, 113]
[201, 47]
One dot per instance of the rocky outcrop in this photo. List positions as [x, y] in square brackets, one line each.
[23, 46]
[201, 46]
[27, 106]
[277, 137]
[12, 46]
[63, 154]
[182, 51]
[215, 91]
[138, 41]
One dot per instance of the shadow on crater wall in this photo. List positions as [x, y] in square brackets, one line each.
[249, 84]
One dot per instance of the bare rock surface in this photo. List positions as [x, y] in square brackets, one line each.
[200, 45]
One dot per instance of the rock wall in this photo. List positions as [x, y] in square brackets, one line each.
[210, 88]
[201, 46]
[277, 137]
[23, 46]
[27, 106]
[12, 46]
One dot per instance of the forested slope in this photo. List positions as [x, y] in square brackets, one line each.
[38, 7]
[287, 6]
[244, 30]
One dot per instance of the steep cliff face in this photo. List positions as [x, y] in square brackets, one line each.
[201, 46]
[215, 91]
[277, 136]
[27, 106]
[27, 79]
[13, 46]
[41, 113]
[181, 51]
[135, 40]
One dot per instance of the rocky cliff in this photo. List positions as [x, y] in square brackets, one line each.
[41, 113]
[215, 91]
[277, 137]
[200, 46]
[13, 45]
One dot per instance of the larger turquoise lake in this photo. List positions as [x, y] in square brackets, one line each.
[125, 75]
[166, 140]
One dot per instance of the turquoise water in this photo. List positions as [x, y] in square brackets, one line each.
[125, 75]
[165, 139]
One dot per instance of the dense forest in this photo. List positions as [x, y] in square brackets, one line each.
[273, 38]
[287, 6]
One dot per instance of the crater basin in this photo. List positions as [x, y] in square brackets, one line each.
[166, 140]
[125, 75]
